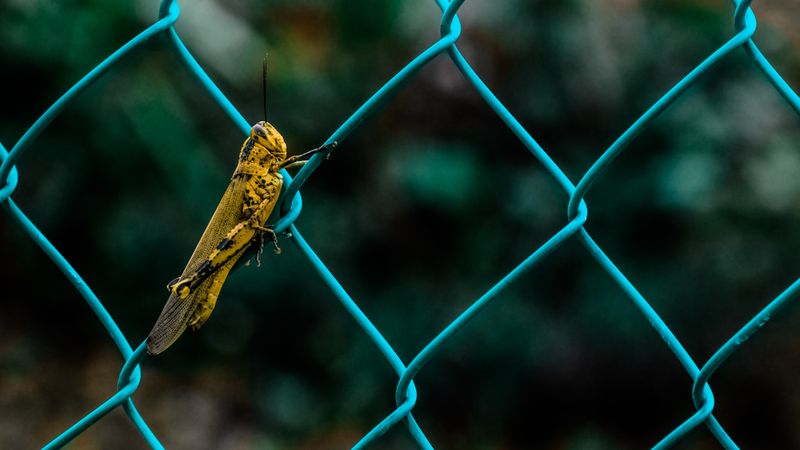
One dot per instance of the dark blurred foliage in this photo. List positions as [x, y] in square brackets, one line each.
[417, 213]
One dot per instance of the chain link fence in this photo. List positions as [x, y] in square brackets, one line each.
[744, 22]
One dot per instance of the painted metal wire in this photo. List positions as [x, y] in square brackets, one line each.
[577, 213]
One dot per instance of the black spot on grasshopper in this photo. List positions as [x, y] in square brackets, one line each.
[247, 148]
[225, 244]
[204, 268]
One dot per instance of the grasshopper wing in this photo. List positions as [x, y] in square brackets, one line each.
[177, 313]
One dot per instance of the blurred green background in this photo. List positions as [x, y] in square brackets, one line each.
[417, 213]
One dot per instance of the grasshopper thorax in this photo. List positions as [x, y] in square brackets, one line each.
[266, 145]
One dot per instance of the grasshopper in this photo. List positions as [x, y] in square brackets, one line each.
[238, 222]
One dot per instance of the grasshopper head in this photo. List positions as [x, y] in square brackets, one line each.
[266, 135]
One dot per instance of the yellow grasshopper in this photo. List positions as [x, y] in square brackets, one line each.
[237, 223]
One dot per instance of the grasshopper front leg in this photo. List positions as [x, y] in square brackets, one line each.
[298, 160]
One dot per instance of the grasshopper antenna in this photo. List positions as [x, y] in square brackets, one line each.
[264, 87]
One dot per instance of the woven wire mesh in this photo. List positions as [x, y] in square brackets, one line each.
[577, 214]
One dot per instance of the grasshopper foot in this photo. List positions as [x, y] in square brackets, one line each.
[260, 249]
[272, 234]
[332, 146]
[275, 242]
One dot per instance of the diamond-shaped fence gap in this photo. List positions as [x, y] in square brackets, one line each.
[603, 319]
[631, 186]
[665, 333]
[195, 114]
[347, 302]
[59, 182]
[417, 166]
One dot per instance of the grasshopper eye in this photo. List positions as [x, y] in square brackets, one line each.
[259, 130]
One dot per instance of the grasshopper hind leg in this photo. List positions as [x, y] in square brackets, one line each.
[206, 304]
[203, 311]
[180, 288]
[191, 312]
[172, 283]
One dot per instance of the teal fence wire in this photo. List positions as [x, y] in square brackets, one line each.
[744, 26]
